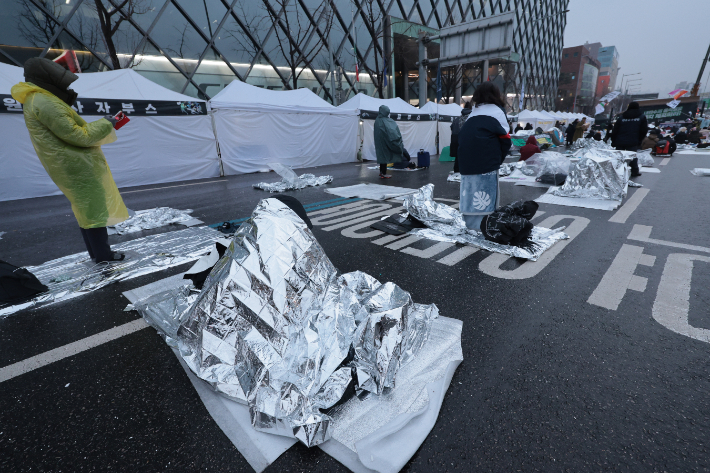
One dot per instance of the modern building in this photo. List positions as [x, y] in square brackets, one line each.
[197, 47]
[577, 86]
[608, 57]
[684, 85]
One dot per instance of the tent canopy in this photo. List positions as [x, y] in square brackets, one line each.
[242, 96]
[124, 84]
[365, 102]
[9, 76]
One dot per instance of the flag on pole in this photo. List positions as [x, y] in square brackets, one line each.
[438, 84]
[384, 73]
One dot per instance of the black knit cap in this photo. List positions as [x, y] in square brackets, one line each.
[633, 106]
[52, 77]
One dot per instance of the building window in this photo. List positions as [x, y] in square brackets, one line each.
[576, 54]
[567, 55]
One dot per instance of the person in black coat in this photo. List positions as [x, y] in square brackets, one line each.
[528, 126]
[628, 133]
[455, 130]
[570, 132]
[484, 143]
[694, 136]
[681, 137]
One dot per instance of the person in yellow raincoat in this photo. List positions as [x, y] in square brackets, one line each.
[70, 151]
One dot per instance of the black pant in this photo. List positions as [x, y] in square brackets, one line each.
[383, 168]
[635, 163]
[96, 241]
[456, 164]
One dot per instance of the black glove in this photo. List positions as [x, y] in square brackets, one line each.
[111, 119]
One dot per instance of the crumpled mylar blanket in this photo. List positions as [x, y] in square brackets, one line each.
[455, 177]
[291, 181]
[75, 275]
[599, 174]
[277, 328]
[505, 169]
[589, 143]
[446, 224]
[685, 146]
[153, 218]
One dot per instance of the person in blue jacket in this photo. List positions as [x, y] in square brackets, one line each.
[484, 143]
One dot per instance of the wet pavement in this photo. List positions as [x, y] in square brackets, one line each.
[593, 358]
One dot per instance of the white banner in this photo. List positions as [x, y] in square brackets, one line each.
[610, 96]
[673, 103]
[598, 109]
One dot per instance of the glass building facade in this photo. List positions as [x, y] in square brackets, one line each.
[197, 47]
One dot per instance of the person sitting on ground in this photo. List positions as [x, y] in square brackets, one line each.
[388, 141]
[529, 149]
[528, 126]
[597, 136]
[455, 130]
[629, 131]
[661, 145]
[484, 143]
[571, 131]
[518, 127]
[650, 141]
[682, 136]
[704, 133]
[694, 136]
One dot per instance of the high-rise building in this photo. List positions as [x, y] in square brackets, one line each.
[576, 91]
[199, 46]
[608, 57]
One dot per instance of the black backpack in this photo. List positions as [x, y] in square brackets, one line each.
[662, 147]
[17, 284]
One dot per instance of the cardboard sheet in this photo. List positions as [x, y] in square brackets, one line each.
[587, 203]
[371, 191]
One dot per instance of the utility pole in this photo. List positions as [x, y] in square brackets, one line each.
[696, 87]
[422, 69]
[330, 52]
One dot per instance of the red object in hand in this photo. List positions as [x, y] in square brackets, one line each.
[121, 119]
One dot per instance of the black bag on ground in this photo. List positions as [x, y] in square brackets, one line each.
[552, 179]
[397, 224]
[510, 224]
[662, 148]
[17, 284]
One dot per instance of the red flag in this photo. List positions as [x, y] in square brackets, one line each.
[68, 59]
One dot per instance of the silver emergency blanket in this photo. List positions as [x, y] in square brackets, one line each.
[454, 177]
[446, 224]
[547, 162]
[645, 158]
[589, 143]
[291, 181]
[153, 218]
[700, 172]
[598, 174]
[634, 184]
[76, 275]
[685, 146]
[274, 327]
[504, 170]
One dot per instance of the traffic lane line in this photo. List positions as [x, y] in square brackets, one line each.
[71, 349]
[643, 233]
[629, 206]
[172, 187]
[665, 161]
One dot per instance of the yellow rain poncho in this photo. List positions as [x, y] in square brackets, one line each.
[70, 151]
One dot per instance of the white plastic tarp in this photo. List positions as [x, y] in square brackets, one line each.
[296, 128]
[149, 149]
[415, 134]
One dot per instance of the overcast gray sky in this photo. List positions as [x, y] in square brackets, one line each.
[664, 41]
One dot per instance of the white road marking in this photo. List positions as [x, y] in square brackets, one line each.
[48, 357]
[458, 255]
[628, 208]
[170, 187]
[491, 265]
[398, 245]
[620, 277]
[430, 252]
[643, 233]
[344, 216]
[665, 161]
[672, 303]
[387, 239]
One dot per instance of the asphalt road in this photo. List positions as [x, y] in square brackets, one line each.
[594, 358]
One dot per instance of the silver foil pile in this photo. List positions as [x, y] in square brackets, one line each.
[685, 146]
[597, 174]
[446, 224]
[589, 143]
[505, 170]
[454, 177]
[277, 328]
[291, 181]
[152, 218]
[76, 275]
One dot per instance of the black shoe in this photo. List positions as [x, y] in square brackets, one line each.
[635, 174]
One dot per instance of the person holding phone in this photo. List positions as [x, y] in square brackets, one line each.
[69, 148]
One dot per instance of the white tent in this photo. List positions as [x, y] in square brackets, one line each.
[417, 126]
[257, 126]
[445, 115]
[171, 141]
[536, 119]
